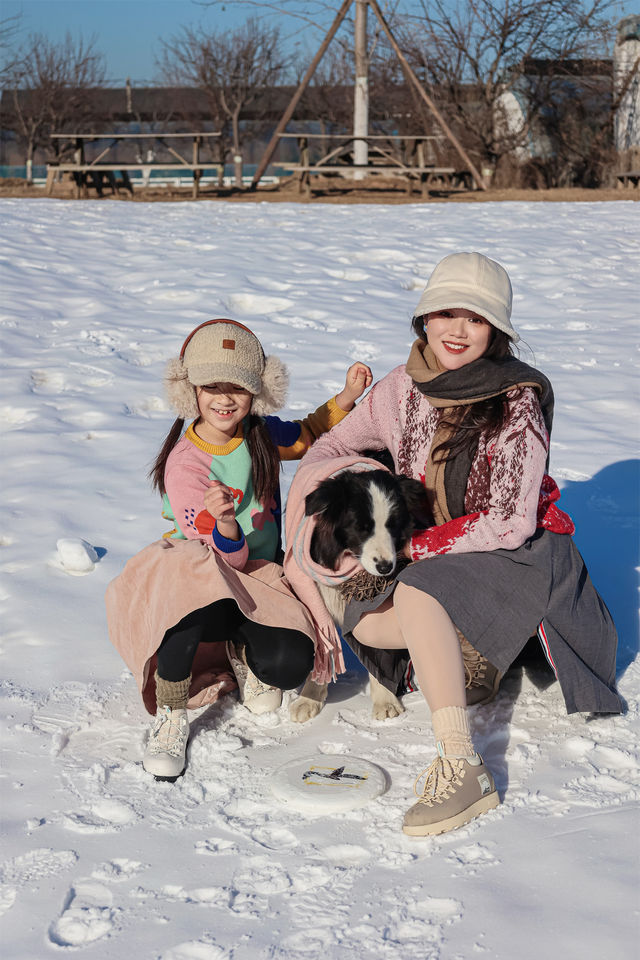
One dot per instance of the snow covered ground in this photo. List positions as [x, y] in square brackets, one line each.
[102, 861]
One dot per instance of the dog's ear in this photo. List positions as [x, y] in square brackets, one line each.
[324, 549]
[329, 497]
[318, 500]
[415, 497]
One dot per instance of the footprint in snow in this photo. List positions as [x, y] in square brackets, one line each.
[215, 847]
[472, 857]
[87, 916]
[268, 283]
[31, 868]
[274, 838]
[204, 949]
[422, 921]
[48, 381]
[264, 877]
[12, 418]
[105, 740]
[353, 275]
[347, 855]
[118, 870]
[256, 303]
[105, 816]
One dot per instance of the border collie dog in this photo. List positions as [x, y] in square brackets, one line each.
[371, 515]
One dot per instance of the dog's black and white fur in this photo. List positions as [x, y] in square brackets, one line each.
[370, 515]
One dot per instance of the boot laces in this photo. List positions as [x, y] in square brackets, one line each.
[475, 666]
[442, 778]
[250, 685]
[254, 687]
[168, 734]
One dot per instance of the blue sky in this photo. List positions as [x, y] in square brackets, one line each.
[128, 32]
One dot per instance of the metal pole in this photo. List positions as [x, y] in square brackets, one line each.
[361, 91]
[302, 86]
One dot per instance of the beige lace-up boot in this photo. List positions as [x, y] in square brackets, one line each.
[482, 679]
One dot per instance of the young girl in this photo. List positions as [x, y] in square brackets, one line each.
[472, 423]
[211, 592]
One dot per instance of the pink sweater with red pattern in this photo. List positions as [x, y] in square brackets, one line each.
[508, 494]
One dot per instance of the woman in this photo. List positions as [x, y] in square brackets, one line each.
[472, 423]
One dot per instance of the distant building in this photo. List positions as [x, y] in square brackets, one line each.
[626, 81]
[562, 81]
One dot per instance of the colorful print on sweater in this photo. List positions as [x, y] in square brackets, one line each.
[193, 464]
[508, 493]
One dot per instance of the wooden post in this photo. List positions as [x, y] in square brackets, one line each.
[196, 172]
[361, 92]
[51, 175]
[303, 179]
[81, 176]
[302, 86]
[423, 177]
[425, 96]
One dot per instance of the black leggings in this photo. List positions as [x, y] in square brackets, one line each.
[279, 657]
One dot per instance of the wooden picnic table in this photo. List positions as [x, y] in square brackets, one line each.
[630, 178]
[381, 160]
[97, 170]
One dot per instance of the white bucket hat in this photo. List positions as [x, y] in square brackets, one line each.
[227, 352]
[473, 282]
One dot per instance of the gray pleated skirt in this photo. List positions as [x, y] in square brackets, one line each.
[499, 599]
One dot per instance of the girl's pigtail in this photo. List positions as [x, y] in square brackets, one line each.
[265, 459]
[156, 474]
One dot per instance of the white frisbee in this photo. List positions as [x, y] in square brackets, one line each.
[322, 784]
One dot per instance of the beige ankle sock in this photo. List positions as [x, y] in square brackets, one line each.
[172, 693]
[451, 731]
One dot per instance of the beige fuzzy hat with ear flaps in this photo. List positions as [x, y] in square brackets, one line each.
[223, 351]
[474, 282]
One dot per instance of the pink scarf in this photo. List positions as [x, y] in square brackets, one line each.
[301, 571]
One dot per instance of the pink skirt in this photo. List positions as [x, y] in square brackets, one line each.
[171, 578]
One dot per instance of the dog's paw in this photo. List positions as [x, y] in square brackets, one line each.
[385, 705]
[303, 709]
[387, 709]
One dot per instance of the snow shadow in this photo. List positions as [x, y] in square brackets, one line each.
[605, 512]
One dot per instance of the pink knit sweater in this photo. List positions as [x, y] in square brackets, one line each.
[508, 493]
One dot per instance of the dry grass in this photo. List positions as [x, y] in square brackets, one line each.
[372, 190]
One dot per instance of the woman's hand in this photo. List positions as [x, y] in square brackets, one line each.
[218, 501]
[358, 379]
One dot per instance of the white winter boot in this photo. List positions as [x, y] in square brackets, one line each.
[165, 755]
[256, 695]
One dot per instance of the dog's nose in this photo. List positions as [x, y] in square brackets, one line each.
[384, 567]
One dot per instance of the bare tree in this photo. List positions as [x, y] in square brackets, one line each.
[232, 68]
[329, 97]
[49, 88]
[9, 27]
[476, 58]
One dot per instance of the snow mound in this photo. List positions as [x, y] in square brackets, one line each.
[76, 556]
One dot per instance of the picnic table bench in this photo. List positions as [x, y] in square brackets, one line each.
[410, 164]
[629, 179]
[98, 172]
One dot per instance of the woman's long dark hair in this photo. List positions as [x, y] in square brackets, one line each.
[265, 460]
[473, 419]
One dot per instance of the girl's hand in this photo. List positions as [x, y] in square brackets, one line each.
[218, 501]
[358, 379]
